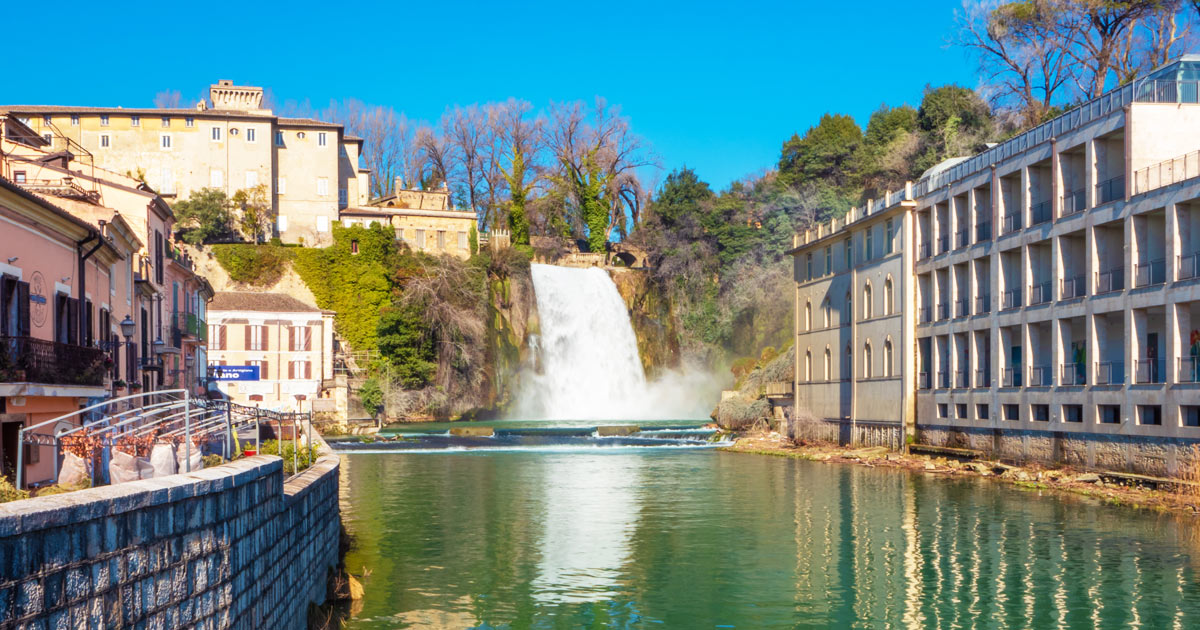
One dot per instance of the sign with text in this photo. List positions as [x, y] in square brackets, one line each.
[234, 372]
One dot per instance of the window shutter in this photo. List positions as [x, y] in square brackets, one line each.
[247, 346]
[262, 371]
[292, 338]
[266, 340]
[23, 309]
[307, 338]
[291, 370]
[72, 321]
[308, 369]
[223, 340]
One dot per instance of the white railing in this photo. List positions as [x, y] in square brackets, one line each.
[1167, 172]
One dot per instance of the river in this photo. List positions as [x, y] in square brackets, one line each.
[582, 532]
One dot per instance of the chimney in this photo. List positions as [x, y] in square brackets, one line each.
[398, 183]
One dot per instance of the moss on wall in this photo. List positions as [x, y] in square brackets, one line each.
[652, 319]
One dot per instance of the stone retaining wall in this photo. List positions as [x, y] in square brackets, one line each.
[232, 546]
[1144, 455]
[845, 433]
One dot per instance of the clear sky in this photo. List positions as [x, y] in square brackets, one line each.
[714, 85]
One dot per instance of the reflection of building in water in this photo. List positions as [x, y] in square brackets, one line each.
[590, 509]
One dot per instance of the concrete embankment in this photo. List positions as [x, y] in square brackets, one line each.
[233, 546]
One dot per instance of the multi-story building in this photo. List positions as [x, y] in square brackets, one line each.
[426, 220]
[290, 342]
[309, 168]
[853, 325]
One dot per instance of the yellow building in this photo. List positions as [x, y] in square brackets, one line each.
[423, 219]
[309, 167]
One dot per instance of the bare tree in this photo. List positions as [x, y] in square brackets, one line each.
[1094, 32]
[512, 160]
[437, 154]
[168, 99]
[389, 146]
[467, 131]
[1150, 41]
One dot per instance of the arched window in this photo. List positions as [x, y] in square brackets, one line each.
[867, 300]
[828, 364]
[887, 358]
[808, 315]
[847, 364]
[828, 312]
[808, 366]
[849, 310]
[889, 297]
[867, 360]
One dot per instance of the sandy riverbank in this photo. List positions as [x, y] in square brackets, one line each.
[1182, 499]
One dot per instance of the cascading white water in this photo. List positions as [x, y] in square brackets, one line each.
[590, 367]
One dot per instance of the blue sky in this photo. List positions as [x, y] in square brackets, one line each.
[714, 85]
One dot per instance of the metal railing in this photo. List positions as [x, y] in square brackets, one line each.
[1041, 212]
[1189, 266]
[943, 311]
[943, 379]
[28, 359]
[1039, 293]
[1073, 288]
[923, 380]
[1039, 376]
[1111, 280]
[1073, 374]
[1010, 377]
[1167, 172]
[923, 251]
[1151, 273]
[191, 325]
[960, 379]
[1012, 223]
[983, 378]
[962, 238]
[1110, 373]
[1150, 370]
[926, 314]
[1110, 189]
[983, 304]
[943, 244]
[1011, 299]
[983, 231]
[1074, 202]
[962, 308]
[1189, 370]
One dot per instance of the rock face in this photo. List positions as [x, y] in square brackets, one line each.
[652, 320]
[472, 431]
[617, 430]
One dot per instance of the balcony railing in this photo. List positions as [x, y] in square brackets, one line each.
[1073, 288]
[1110, 373]
[983, 231]
[30, 360]
[1039, 293]
[943, 244]
[1011, 299]
[960, 379]
[1074, 202]
[1074, 374]
[1041, 212]
[983, 378]
[962, 308]
[1110, 190]
[962, 238]
[943, 310]
[1189, 266]
[944, 379]
[923, 380]
[1111, 280]
[1151, 273]
[1167, 172]
[1189, 370]
[1012, 223]
[1150, 370]
[1039, 376]
[926, 314]
[983, 304]
[1010, 377]
[189, 325]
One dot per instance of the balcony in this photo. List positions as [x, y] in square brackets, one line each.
[1039, 293]
[1074, 202]
[1150, 274]
[1039, 376]
[1041, 212]
[960, 379]
[983, 231]
[923, 380]
[944, 379]
[962, 308]
[1012, 299]
[1189, 370]
[943, 244]
[1010, 377]
[1012, 223]
[926, 315]
[943, 311]
[1150, 371]
[1189, 266]
[962, 238]
[1073, 288]
[983, 304]
[1111, 280]
[1073, 374]
[189, 325]
[1110, 190]
[923, 251]
[1110, 373]
[30, 360]
[983, 378]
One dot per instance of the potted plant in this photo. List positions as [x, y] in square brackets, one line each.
[118, 385]
[135, 387]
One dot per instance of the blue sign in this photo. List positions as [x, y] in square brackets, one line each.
[234, 372]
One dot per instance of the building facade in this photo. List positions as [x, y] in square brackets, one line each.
[853, 328]
[308, 168]
[290, 342]
[425, 220]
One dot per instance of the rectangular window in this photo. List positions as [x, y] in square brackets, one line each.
[278, 138]
[1150, 415]
[828, 259]
[867, 244]
[189, 122]
[981, 411]
[48, 137]
[321, 139]
[104, 120]
[262, 370]
[216, 134]
[420, 239]
[299, 370]
[158, 256]
[105, 141]
[165, 141]
[1041, 413]
[281, 185]
[441, 239]
[135, 121]
[301, 338]
[251, 135]
[462, 240]
[1191, 415]
[1012, 412]
[1073, 413]
[256, 337]
[943, 410]
[251, 179]
[1109, 414]
[46, 119]
[960, 411]
[166, 121]
[75, 120]
[322, 186]
[19, 177]
[216, 178]
[849, 253]
[808, 266]
[891, 236]
[342, 197]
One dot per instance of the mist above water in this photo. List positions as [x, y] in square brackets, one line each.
[589, 363]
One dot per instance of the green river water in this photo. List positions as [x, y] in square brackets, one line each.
[644, 537]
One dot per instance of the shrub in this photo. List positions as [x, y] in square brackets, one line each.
[305, 454]
[63, 489]
[258, 265]
[742, 367]
[9, 492]
[212, 460]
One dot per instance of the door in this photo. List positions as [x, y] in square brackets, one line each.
[8, 447]
[1152, 357]
[1014, 364]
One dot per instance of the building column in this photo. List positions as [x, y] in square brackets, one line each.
[1089, 173]
[1173, 251]
[1056, 180]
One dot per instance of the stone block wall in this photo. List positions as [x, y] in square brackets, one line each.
[845, 433]
[232, 546]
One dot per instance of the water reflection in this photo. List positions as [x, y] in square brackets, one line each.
[704, 539]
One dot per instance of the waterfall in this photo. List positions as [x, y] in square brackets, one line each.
[589, 363]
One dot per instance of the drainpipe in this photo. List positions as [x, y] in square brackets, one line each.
[82, 328]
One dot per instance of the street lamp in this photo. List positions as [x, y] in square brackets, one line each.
[128, 327]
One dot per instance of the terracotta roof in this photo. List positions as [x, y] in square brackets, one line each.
[264, 302]
[47, 204]
[307, 122]
[140, 111]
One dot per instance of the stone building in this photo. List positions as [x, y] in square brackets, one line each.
[309, 168]
[853, 325]
[289, 341]
[424, 219]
